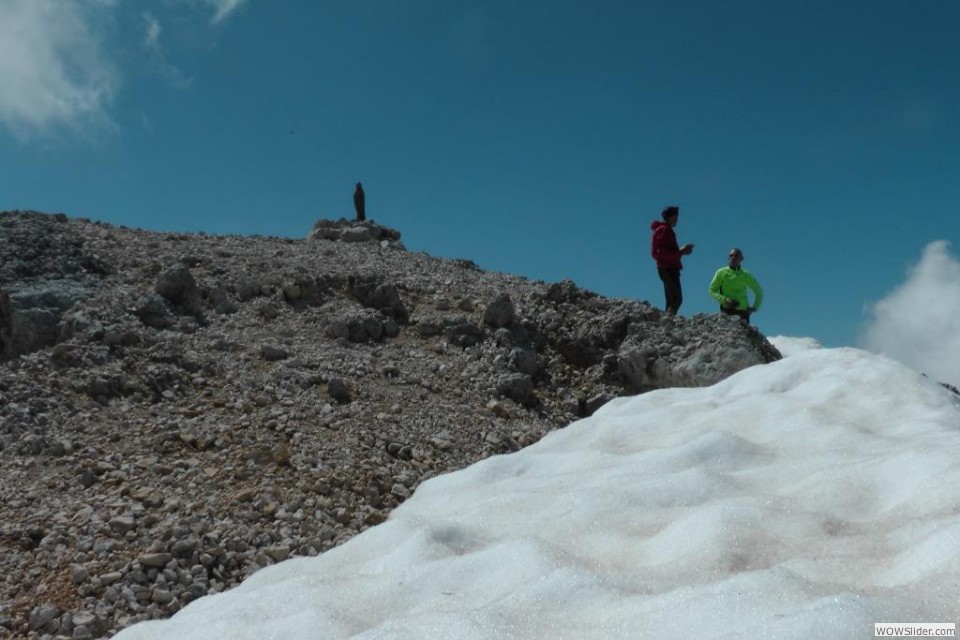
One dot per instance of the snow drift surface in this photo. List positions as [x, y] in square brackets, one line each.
[806, 498]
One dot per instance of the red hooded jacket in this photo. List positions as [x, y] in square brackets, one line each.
[663, 246]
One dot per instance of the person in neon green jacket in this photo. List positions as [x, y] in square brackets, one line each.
[729, 288]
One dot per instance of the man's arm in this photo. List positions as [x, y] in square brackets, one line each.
[757, 292]
[715, 287]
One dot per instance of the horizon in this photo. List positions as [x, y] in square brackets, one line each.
[538, 140]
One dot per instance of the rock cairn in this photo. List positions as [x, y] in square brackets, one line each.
[180, 410]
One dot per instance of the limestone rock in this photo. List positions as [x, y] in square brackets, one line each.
[179, 287]
[273, 353]
[338, 390]
[518, 387]
[500, 312]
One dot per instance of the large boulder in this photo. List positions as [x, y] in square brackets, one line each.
[154, 312]
[364, 325]
[30, 314]
[500, 312]
[177, 285]
[354, 231]
[518, 387]
[697, 352]
[461, 332]
[371, 292]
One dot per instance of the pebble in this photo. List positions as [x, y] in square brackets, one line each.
[43, 615]
[154, 560]
[277, 553]
[122, 524]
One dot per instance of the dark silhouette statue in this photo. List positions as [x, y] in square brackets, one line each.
[359, 204]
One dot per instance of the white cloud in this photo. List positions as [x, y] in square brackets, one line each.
[55, 67]
[919, 322]
[158, 55]
[224, 8]
[151, 39]
[53, 71]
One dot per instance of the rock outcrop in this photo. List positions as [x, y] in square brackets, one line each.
[344, 230]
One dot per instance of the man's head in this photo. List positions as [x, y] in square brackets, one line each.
[671, 215]
[734, 258]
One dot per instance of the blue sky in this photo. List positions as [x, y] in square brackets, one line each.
[534, 137]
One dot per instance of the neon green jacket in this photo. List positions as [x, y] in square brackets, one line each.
[733, 283]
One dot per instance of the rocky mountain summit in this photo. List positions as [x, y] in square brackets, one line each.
[180, 410]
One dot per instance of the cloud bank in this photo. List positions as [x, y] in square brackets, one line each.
[53, 71]
[918, 323]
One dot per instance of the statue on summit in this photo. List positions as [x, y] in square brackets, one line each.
[359, 204]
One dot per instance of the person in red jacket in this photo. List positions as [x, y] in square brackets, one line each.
[667, 254]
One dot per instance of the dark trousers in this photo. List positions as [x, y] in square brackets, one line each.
[743, 313]
[671, 288]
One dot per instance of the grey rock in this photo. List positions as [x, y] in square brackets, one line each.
[154, 560]
[122, 524]
[383, 296]
[277, 553]
[43, 615]
[86, 619]
[81, 632]
[58, 295]
[500, 312]
[355, 234]
[27, 330]
[386, 298]
[517, 387]
[362, 326]
[338, 390]
[87, 478]
[185, 547]
[179, 287]
[291, 291]
[161, 596]
[247, 289]
[272, 353]
[79, 575]
[428, 328]
[595, 402]
[153, 311]
[463, 333]
[221, 302]
[566, 291]
[268, 311]
[656, 360]
[526, 361]
[65, 624]
[390, 328]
